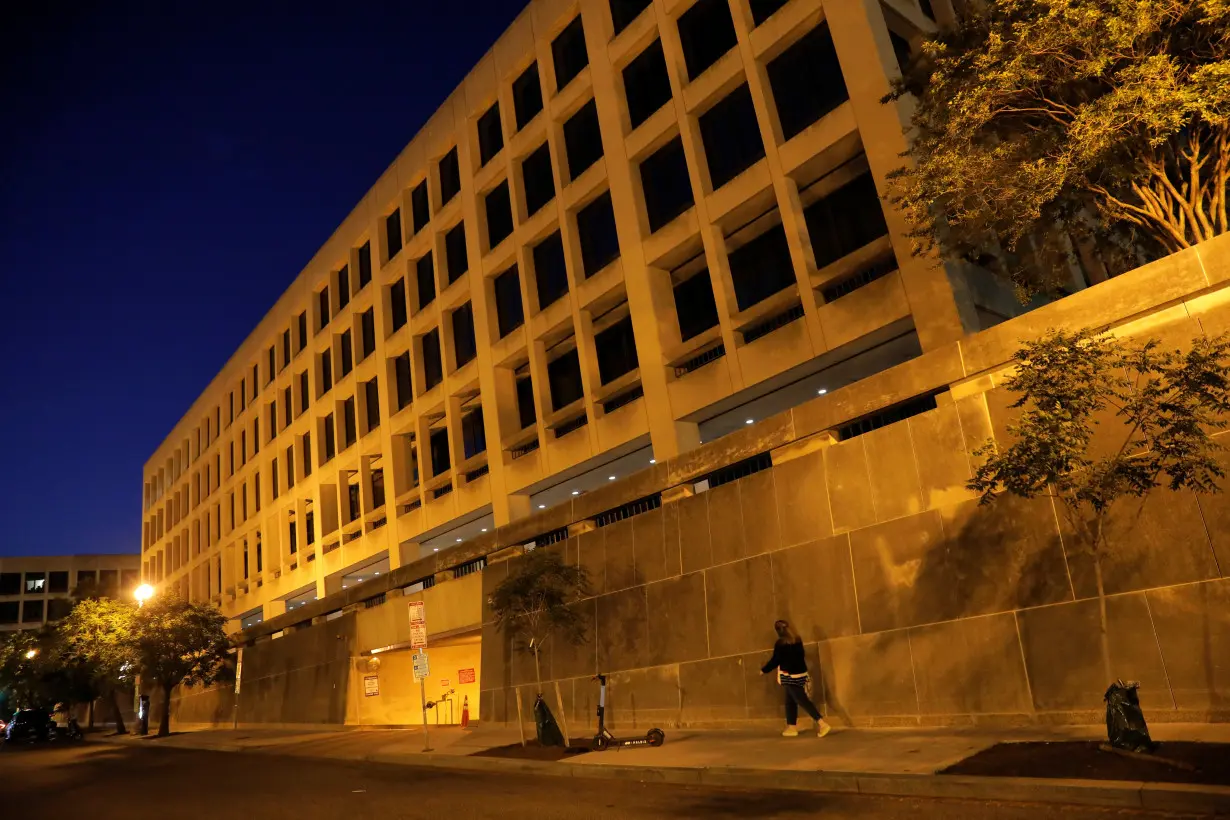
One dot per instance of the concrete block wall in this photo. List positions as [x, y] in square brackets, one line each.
[918, 605]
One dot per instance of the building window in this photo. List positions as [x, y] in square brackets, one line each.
[463, 334]
[623, 12]
[455, 252]
[761, 268]
[668, 190]
[564, 376]
[273, 479]
[433, 370]
[294, 538]
[425, 278]
[598, 238]
[322, 303]
[582, 139]
[272, 363]
[527, 414]
[405, 390]
[568, 53]
[10, 612]
[330, 440]
[57, 581]
[290, 465]
[509, 312]
[349, 424]
[305, 398]
[473, 434]
[285, 350]
[420, 209]
[764, 9]
[10, 583]
[647, 86]
[845, 220]
[286, 407]
[243, 447]
[806, 80]
[347, 354]
[550, 272]
[59, 608]
[616, 349]
[490, 135]
[309, 528]
[367, 327]
[256, 490]
[352, 502]
[392, 234]
[695, 305]
[377, 488]
[326, 372]
[538, 182]
[365, 265]
[706, 32]
[343, 287]
[303, 334]
[32, 612]
[731, 136]
[450, 177]
[441, 462]
[527, 96]
[397, 304]
[499, 214]
[371, 398]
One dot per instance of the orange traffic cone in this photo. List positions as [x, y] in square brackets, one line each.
[465, 712]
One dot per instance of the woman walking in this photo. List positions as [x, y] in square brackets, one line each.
[792, 675]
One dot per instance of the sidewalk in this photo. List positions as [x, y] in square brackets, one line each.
[875, 761]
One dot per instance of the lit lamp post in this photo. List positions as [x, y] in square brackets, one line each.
[142, 594]
[30, 654]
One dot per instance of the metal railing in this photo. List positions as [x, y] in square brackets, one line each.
[700, 360]
[626, 511]
[623, 399]
[572, 425]
[773, 323]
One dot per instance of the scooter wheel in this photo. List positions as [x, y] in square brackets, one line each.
[600, 743]
[656, 737]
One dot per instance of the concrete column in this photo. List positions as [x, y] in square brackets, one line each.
[939, 300]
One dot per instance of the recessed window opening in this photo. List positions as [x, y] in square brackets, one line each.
[490, 135]
[538, 182]
[616, 350]
[568, 53]
[807, 81]
[550, 270]
[706, 32]
[499, 214]
[527, 96]
[598, 237]
[509, 311]
[582, 139]
[731, 136]
[667, 187]
[564, 378]
[450, 177]
[761, 268]
[647, 85]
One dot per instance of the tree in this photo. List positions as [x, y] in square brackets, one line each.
[1166, 402]
[1045, 130]
[177, 641]
[531, 606]
[36, 671]
[98, 633]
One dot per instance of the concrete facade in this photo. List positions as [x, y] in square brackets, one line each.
[248, 501]
[38, 589]
[867, 382]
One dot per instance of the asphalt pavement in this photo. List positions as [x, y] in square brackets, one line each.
[105, 781]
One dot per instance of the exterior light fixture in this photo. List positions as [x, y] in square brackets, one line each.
[576, 492]
[610, 478]
[542, 506]
[653, 461]
[749, 421]
[484, 529]
[821, 391]
[143, 594]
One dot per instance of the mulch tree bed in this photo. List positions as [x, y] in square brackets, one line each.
[1210, 762]
[533, 750]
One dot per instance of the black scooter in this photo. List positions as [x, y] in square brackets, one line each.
[605, 740]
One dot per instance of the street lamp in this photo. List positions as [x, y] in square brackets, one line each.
[30, 654]
[143, 593]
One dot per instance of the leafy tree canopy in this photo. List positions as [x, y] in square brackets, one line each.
[1048, 129]
[531, 606]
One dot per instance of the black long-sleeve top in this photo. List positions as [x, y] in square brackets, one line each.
[789, 656]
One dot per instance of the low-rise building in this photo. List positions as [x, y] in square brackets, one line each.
[37, 589]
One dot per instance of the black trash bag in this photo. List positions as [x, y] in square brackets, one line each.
[1125, 723]
[548, 730]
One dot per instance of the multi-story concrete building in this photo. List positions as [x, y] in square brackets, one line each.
[635, 226]
[38, 589]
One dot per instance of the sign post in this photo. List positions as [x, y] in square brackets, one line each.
[418, 641]
[238, 680]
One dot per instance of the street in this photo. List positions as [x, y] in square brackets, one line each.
[104, 781]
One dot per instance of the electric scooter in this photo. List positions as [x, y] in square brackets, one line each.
[605, 740]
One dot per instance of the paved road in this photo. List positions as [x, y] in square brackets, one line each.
[102, 781]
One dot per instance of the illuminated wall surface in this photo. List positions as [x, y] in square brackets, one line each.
[630, 294]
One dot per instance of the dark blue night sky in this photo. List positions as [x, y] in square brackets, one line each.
[166, 169]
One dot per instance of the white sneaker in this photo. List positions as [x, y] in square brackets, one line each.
[822, 728]
[791, 731]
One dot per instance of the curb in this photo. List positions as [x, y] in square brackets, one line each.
[1162, 797]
